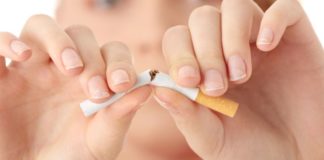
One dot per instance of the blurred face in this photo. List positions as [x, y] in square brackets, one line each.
[138, 23]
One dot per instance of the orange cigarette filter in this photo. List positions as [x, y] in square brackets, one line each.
[219, 104]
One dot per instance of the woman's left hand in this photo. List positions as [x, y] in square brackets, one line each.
[281, 114]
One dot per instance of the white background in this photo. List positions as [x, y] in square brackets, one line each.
[14, 13]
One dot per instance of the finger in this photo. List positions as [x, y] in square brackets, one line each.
[237, 20]
[50, 39]
[120, 72]
[2, 66]
[106, 132]
[201, 128]
[13, 48]
[93, 77]
[276, 20]
[178, 51]
[205, 29]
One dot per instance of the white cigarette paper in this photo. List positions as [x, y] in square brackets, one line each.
[151, 77]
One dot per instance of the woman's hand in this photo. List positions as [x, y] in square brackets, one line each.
[281, 114]
[40, 116]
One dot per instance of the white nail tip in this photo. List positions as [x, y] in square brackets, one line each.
[213, 89]
[264, 41]
[238, 78]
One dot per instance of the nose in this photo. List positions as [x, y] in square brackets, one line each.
[150, 32]
[156, 17]
[147, 25]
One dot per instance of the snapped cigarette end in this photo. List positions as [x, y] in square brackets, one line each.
[219, 104]
[156, 78]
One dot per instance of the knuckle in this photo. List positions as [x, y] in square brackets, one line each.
[278, 13]
[116, 51]
[49, 30]
[275, 16]
[179, 61]
[236, 48]
[38, 18]
[114, 46]
[78, 29]
[176, 29]
[118, 45]
[231, 51]
[58, 41]
[211, 60]
[118, 65]
[94, 67]
[5, 36]
[173, 34]
[205, 10]
[209, 52]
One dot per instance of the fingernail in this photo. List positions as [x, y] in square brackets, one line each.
[165, 105]
[187, 72]
[119, 76]
[213, 81]
[266, 37]
[19, 47]
[71, 59]
[237, 68]
[98, 88]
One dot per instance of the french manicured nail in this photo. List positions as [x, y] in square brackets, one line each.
[19, 47]
[213, 81]
[119, 76]
[71, 59]
[237, 68]
[98, 88]
[266, 37]
[187, 72]
[165, 105]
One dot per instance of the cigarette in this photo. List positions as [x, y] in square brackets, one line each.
[156, 78]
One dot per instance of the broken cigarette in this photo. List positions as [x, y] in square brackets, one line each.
[156, 78]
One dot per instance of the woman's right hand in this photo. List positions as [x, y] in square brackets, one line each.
[52, 71]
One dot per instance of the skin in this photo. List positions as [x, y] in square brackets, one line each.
[281, 105]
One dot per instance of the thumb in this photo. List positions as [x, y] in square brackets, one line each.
[106, 131]
[280, 24]
[201, 128]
